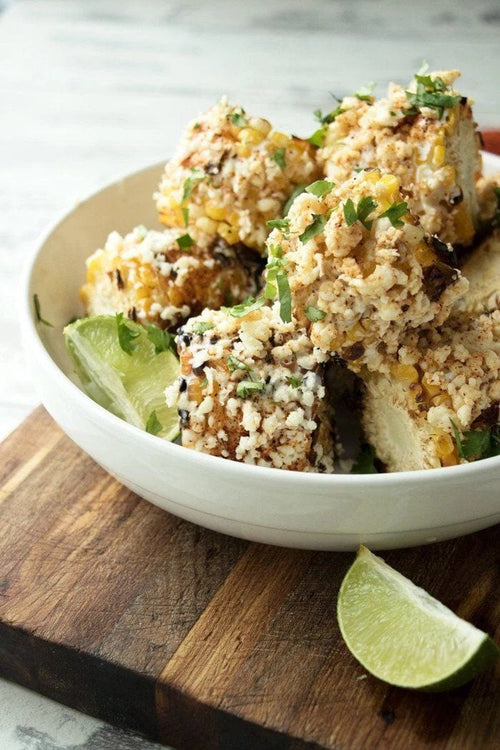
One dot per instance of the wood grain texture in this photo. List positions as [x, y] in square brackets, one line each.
[112, 606]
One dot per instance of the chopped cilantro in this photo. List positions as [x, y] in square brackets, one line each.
[315, 227]
[126, 334]
[298, 189]
[201, 326]
[365, 462]
[277, 281]
[476, 444]
[279, 157]
[245, 307]
[318, 137]
[234, 363]
[185, 215]
[162, 339]
[394, 214]
[320, 188]
[314, 313]
[360, 213]
[246, 388]
[38, 313]
[285, 297]
[430, 92]
[185, 241]
[153, 425]
[204, 383]
[293, 381]
[196, 176]
[365, 93]
[239, 119]
[281, 224]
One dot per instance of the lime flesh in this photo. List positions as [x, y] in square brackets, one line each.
[129, 385]
[404, 636]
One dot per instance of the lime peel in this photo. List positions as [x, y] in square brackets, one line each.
[402, 635]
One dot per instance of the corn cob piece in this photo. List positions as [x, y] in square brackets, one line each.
[149, 277]
[361, 270]
[426, 137]
[251, 390]
[482, 270]
[231, 174]
[443, 386]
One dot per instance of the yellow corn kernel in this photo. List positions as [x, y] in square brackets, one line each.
[250, 137]
[444, 445]
[438, 156]
[243, 150]
[336, 343]
[368, 268]
[209, 226]
[195, 392]
[451, 123]
[405, 373]
[228, 233]
[442, 399]
[279, 139]
[373, 176]
[263, 126]
[451, 460]
[356, 333]
[425, 256]
[464, 227]
[233, 218]
[214, 211]
[430, 389]
[390, 183]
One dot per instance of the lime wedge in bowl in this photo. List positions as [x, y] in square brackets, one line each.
[404, 636]
[126, 368]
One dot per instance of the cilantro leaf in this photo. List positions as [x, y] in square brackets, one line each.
[185, 241]
[314, 313]
[430, 92]
[293, 381]
[315, 227]
[350, 214]
[298, 189]
[476, 444]
[365, 93]
[318, 137]
[201, 326]
[246, 388]
[320, 188]
[234, 363]
[196, 176]
[239, 119]
[285, 297]
[126, 334]
[279, 157]
[282, 224]
[162, 339]
[185, 215]
[153, 425]
[394, 214]
[38, 312]
[360, 213]
[245, 307]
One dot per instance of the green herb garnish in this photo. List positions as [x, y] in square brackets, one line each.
[246, 388]
[38, 313]
[365, 93]
[234, 363]
[293, 381]
[239, 119]
[360, 213]
[201, 326]
[162, 339]
[475, 444]
[277, 281]
[126, 334]
[314, 313]
[196, 176]
[280, 158]
[245, 307]
[318, 137]
[296, 191]
[320, 188]
[185, 241]
[185, 215]
[153, 425]
[315, 227]
[394, 214]
[430, 92]
[282, 224]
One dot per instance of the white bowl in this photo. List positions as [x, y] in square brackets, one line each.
[330, 512]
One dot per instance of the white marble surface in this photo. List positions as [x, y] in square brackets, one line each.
[91, 89]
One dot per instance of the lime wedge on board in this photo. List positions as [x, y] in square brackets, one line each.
[128, 384]
[404, 636]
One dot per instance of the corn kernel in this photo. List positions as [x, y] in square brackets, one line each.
[438, 156]
[195, 392]
[213, 211]
[228, 233]
[406, 373]
[209, 226]
[450, 460]
[425, 256]
[463, 223]
[444, 445]
[356, 333]
[279, 139]
[243, 150]
[373, 176]
[442, 399]
[390, 183]
[263, 126]
[250, 137]
[451, 123]
[429, 388]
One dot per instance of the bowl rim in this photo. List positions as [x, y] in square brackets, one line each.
[37, 350]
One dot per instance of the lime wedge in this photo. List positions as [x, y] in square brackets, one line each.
[404, 636]
[131, 385]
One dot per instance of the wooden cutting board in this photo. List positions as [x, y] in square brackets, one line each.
[125, 612]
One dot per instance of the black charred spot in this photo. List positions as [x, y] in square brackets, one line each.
[437, 278]
[214, 340]
[463, 101]
[267, 380]
[185, 338]
[445, 253]
[199, 371]
[457, 197]
[388, 716]
[487, 418]
[182, 385]
[405, 308]
[354, 352]
[132, 314]
[212, 169]
[119, 280]
[183, 417]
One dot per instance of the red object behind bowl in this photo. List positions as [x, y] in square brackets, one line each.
[491, 140]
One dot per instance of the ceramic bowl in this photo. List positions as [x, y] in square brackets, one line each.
[330, 512]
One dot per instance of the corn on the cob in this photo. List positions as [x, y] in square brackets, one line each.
[433, 150]
[251, 389]
[482, 270]
[443, 384]
[231, 174]
[361, 269]
[150, 278]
